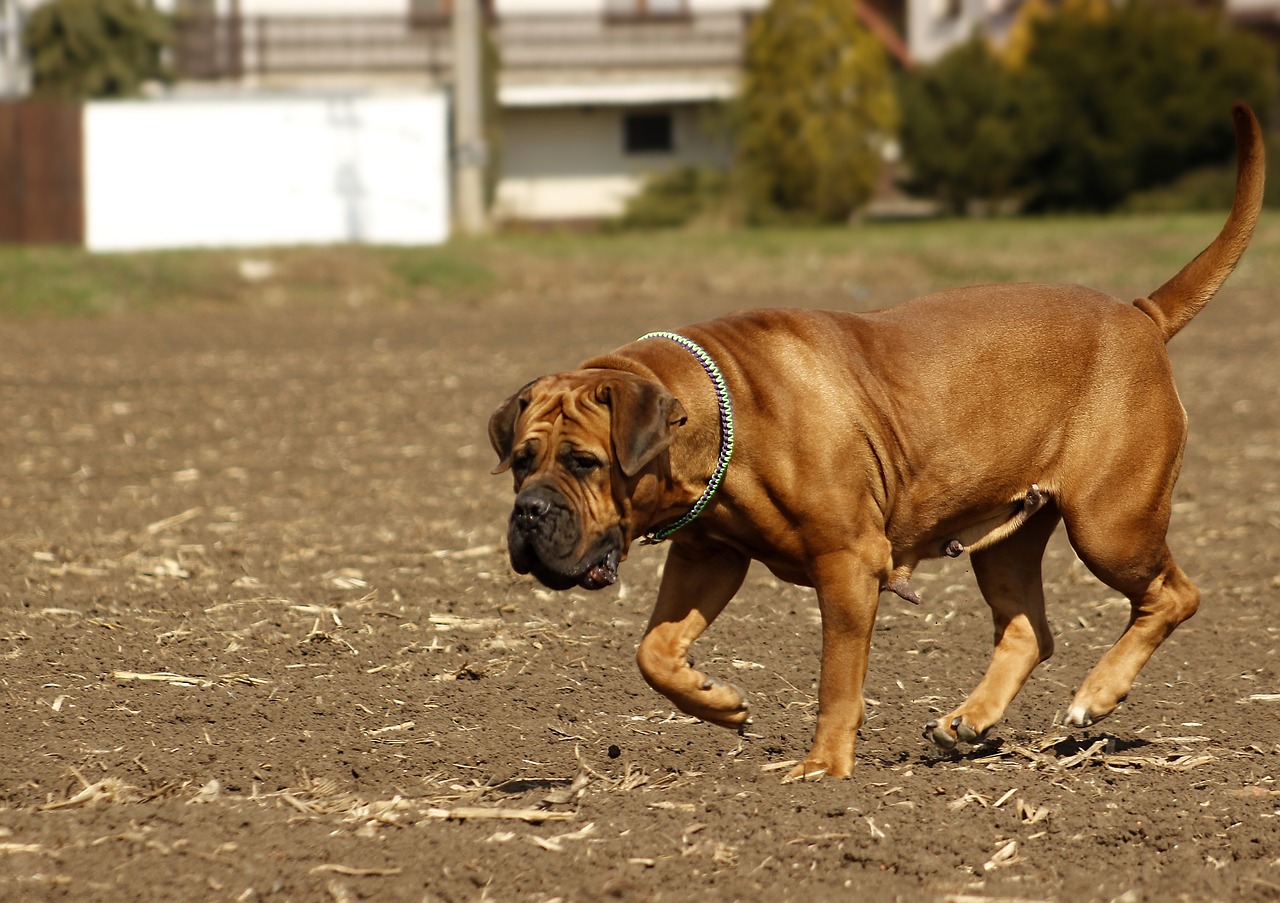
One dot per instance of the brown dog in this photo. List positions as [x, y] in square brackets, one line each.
[970, 420]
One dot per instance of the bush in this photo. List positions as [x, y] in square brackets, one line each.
[1205, 188]
[816, 108]
[1137, 98]
[84, 49]
[964, 127]
[676, 197]
[1103, 105]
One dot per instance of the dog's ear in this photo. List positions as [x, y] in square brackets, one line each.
[643, 420]
[502, 426]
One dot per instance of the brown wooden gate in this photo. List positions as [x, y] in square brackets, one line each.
[41, 173]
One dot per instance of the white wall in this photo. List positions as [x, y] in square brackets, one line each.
[726, 6]
[503, 7]
[931, 31]
[248, 171]
[569, 163]
[13, 75]
[315, 7]
[596, 7]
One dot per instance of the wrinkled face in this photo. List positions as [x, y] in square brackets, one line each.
[572, 442]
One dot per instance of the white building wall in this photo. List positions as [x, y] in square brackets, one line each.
[315, 7]
[502, 7]
[726, 6]
[596, 7]
[569, 162]
[253, 171]
[1252, 6]
[540, 7]
[14, 71]
[935, 26]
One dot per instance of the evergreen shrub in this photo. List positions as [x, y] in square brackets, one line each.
[82, 49]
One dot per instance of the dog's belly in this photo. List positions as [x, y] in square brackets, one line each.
[787, 571]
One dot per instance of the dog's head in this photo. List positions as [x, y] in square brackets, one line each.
[577, 444]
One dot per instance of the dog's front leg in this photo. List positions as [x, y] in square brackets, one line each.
[848, 594]
[696, 585]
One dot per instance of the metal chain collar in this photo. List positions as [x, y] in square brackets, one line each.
[725, 403]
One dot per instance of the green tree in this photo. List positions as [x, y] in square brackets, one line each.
[94, 48]
[1138, 98]
[1099, 104]
[965, 126]
[817, 107]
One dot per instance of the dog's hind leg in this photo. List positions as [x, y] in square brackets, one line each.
[1136, 562]
[696, 586]
[1120, 536]
[1010, 579]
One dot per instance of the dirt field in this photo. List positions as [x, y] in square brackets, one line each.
[259, 641]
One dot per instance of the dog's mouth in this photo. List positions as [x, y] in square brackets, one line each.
[598, 574]
[603, 573]
[596, 570]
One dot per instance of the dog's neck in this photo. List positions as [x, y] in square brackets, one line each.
[676, 479]
[724, 408]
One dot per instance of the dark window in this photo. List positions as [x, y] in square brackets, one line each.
[647, 133]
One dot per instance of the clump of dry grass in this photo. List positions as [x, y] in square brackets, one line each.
[1041, 756]
[182, 680]
[108, 790]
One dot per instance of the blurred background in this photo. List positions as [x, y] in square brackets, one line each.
[129, 125]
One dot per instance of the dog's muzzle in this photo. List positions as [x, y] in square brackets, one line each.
[544, 538]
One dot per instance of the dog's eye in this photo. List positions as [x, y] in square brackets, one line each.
[583, 464]
[522, 462]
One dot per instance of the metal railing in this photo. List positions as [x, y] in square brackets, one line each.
[208, 47]
[234, 47]
[227, 47]
[711, 41]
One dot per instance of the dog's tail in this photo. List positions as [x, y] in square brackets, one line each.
[1173, 304]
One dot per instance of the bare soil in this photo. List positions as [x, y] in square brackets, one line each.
[259, 641]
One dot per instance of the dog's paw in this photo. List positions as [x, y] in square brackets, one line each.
[960, 731]
[727, 707]
[967, 733]
[818, 769]
[941, 738]
[1080, 716]
[1090, 707]
[806, 771]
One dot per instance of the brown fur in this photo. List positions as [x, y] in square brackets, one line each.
[868, 442]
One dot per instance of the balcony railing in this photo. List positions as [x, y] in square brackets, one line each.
[207, 47]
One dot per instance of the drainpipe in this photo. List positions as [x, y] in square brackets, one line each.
[12, 83]
[469, 151]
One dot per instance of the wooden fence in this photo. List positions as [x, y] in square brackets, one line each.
[41, 173]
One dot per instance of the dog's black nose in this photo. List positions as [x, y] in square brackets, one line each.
[529, 510]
